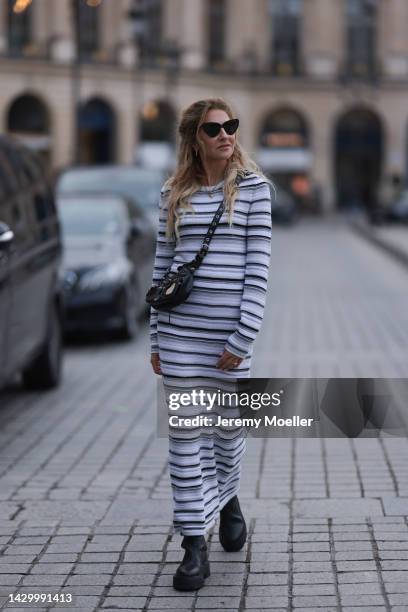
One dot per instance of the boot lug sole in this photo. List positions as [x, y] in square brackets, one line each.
[191, 583]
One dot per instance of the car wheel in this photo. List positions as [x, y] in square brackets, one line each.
[46, 369]
[129, 311]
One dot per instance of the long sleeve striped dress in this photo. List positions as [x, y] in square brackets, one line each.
[224, 310]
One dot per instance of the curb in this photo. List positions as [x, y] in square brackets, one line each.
[361, 228]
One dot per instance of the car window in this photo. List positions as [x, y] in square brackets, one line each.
[136, 184]
[8, 182]
[17, 163]
[91, 217]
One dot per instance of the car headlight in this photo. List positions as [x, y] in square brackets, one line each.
[102, 276]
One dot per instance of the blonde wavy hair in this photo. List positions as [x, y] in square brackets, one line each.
[190, 174]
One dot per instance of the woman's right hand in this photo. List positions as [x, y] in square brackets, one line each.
[155, 361]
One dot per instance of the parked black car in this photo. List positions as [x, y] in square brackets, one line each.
[398, 210]
[138, 185]
[108, 262]
[284, 210]
[31, 303]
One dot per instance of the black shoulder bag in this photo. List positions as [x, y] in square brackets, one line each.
[175, 287]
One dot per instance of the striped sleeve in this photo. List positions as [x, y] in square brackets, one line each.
[163, 258]
[258, 250]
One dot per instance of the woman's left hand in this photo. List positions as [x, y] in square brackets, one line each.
[228, 361]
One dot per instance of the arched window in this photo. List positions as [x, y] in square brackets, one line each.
[359, 145]
[361, 37]
[284, 128]
[28, 119]
[97, 132]
[19, 26]
[286, 26]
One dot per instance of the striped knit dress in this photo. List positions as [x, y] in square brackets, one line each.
[223, 311]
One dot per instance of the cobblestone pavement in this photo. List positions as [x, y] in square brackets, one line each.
[85, 502]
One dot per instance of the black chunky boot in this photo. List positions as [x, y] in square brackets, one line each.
[195, 567]
[233, 531]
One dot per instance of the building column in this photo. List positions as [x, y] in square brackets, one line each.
[127, 133]
[62, 126]
[3, 26]
[322, 37]
[62, 35]
[323, 170]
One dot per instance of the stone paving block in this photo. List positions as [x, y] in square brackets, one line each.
[265, 603]
[359, 576]
[41, 580]
[18, 559]
[268, 547]
[94, 568]
[386, 545]
[314, 600]
[360, 588]
[397, 599]
[81, 511]
[59, 557]
[280, 590]
[362, 600]
[171, 603]
[394, 565]
[394, 576]
[359, 545]
[357, 566]
[393, 554]
[29, 551]
[257, 557]
[206, 602]
[397, 587]
[30, 540]
[314, 589]
[143, 568]
[74, 530]
[354, 555]
[133, 580]
[311, 556]
[267, 566]
[55, 568]
[99, 557]
[311, 547]
[14, 568]
[337, 507]
[129, 591]
[395, 505]
[143, 557]
[310, 578]
[311, 566]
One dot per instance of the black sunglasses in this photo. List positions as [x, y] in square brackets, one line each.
[212, 129]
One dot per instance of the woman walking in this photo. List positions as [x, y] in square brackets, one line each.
[211, 334]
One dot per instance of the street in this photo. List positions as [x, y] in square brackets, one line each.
[85, 500]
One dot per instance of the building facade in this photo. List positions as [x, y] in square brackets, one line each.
[320, 86]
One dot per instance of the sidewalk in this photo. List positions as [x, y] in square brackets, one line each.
[391, 238]
[85, 500]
